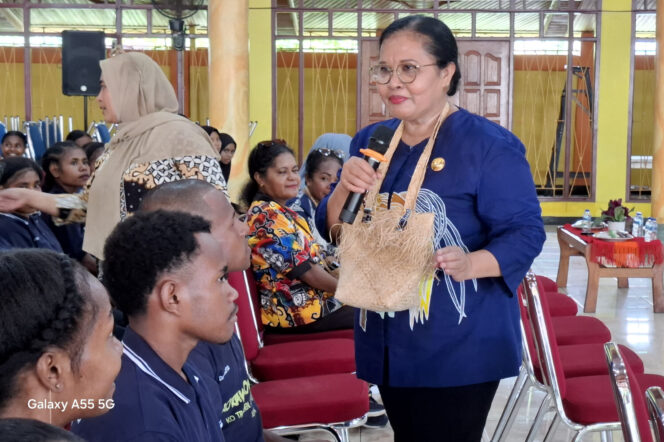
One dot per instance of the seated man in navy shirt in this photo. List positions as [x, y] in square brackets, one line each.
[169, 275]
[223, 363]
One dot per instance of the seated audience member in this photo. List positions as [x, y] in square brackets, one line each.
[93, 151]
[214, 136]
[320, 171]
[297, 293]
[225, 144]
[30, 430]
[223, 363]
[79, 137]
[226, 153]
[58, 358]
[66, 171]
[168, 274]
[25, 227]
[14, 144]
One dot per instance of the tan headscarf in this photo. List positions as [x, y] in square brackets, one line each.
[149, 130]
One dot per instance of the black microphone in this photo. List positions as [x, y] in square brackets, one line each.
[378, 144]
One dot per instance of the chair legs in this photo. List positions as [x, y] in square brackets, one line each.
[513, 404]
[544, 407]
[552, 428]
[340, 434]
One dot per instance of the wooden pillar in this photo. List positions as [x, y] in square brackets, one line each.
[228, 31]
[658, 145]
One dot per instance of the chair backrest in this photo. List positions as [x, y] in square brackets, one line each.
[655, 399]
[537, 310]
[244, 283]
[36, 140]
[529, 347]
[628, 397]
[3, 130]
[52, 133]
[103, 132]
[547, 284]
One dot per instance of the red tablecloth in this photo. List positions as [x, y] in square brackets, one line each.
[636, 252]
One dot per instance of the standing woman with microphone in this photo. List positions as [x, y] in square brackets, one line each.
[438, 362]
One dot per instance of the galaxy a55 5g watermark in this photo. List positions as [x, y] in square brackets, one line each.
[76, 404]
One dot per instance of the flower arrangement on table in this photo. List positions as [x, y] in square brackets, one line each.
[616, 215]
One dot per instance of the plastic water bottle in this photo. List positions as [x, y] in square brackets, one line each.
[587, 221]
[650, 230]
[637, 225]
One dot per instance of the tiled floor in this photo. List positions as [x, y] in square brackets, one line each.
[627, 312]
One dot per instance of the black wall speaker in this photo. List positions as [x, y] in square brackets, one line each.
[81, 53]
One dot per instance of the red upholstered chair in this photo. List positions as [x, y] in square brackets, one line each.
[655, 400]
[562, 305]
[547, 284]
[570, 329]
[333, 402]
[579, 330]
[289, 359]
[578, 360]
[559, 303]
[584, 404]
[248, 285]
[628, 396]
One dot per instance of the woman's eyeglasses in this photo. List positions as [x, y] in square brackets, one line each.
[407, 72]
[335, 152]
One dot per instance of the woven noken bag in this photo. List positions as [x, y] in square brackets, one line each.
[383, 261]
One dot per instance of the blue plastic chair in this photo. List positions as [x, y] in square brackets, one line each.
[104, 134]
[3, 130]
[52, 134]
[36, 140]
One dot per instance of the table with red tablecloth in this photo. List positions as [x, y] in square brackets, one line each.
[633, 258]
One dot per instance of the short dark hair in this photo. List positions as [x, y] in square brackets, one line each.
[13, 165]
[76, 134]
[92, 147]
[53, 155]
[315, 159]
[142, 248]
[210, 129]
[15, 133]
[226, 140]
[30, 430]
[181, 195]
[42, 307]
[441, 43]
[261, 158]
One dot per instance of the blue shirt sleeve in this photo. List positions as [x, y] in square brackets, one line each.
[507, 204]
[359, 141]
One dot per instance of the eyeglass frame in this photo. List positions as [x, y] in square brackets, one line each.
[392, 70]
[326, 152]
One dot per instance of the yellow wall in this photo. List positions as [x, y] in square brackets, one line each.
[287, 104]
[612, 115]
[329, 104]
[535, 120]
[260, 69]
[48, 100]
[47, 97]
[12, 87]
[643, 122]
